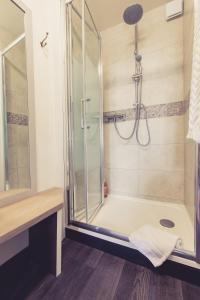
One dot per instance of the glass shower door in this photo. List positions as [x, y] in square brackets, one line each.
[77, 161]
[85, 113]
[93, 113]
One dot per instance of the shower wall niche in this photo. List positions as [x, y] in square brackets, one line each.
[159, 171]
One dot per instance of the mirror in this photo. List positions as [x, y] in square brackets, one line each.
[14, 111]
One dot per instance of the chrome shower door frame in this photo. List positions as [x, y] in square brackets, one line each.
[197, 205]
[70, 129]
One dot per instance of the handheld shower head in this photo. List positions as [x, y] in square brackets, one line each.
[133, 14]
[138, 58]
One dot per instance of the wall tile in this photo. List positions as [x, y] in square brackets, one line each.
[165, 157]
[190, 198]
[12, 157]
[190, 160]
[162, 184]
[122, 157]
[118, 97]
[23, 157]
[123, 182]
[153, 27]
[162, 61]
[168, 130]
[12, 134]
[23, 135]
[111, 138]
[156, 171]
[13, 178]
[24, 178]
[94, 186]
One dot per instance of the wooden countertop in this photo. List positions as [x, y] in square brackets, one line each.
[22, 215]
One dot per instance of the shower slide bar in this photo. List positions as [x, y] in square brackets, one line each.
[83, 111]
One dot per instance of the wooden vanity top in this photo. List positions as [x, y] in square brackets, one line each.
[22, 215]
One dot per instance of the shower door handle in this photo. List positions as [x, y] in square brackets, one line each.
[83, 111]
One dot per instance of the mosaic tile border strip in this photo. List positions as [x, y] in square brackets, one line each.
[153, 111]
[17, 119]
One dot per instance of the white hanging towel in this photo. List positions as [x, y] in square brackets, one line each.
[194, 111]
[155, 244]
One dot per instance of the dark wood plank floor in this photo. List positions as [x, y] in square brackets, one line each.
[90, 274]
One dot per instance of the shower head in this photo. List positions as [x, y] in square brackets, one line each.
[138, 57]
[133, 14]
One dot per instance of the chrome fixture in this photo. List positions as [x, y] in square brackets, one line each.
[132, 16]
[167, 223]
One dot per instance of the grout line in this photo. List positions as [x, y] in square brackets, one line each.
[146, 170]
[136, 145]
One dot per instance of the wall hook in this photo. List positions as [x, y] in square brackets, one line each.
[43, 43]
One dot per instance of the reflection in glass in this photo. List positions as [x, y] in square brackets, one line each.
[14, 129]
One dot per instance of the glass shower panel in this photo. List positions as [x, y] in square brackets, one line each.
[93, 114]
[79, 204]
[85, 113]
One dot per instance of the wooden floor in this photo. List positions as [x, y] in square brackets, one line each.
[90, 274]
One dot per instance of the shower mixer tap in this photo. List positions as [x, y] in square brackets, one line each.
[137, 76]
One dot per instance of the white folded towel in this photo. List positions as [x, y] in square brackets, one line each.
[155, 244]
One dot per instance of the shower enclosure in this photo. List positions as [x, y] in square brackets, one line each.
[85, 112]
[86, 146]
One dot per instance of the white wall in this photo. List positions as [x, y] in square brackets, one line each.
[48, 93]
[48, 70]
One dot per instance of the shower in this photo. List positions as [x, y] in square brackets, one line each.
[132, 15]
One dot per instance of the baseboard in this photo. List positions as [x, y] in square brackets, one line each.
[169, 268]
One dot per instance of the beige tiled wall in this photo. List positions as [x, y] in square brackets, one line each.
[155, 172]
[190, 148]
[147, 172]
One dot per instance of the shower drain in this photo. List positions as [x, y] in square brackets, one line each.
[167, 223]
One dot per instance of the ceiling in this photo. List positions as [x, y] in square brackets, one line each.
[108, 13]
